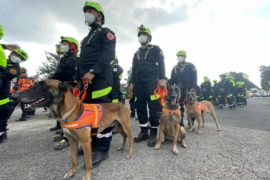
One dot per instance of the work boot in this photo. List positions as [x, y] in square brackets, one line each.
[143, 136]
[59, 131]
[61, 145]
[23, 118]
[153, 137]
[57, 138]
[54, 128]
[98, 157]
[3, 136]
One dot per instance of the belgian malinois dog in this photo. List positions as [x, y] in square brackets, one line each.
[197, 110]
[58, 97]
[170, 120]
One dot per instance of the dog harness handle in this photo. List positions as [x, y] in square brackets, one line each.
[91, 117]
[199, 107]
[85, 87]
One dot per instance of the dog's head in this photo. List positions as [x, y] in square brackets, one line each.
[174, 94]
[44, 93]
[191, 96]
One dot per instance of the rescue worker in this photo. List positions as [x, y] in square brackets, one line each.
[230, 92]
[241, 99]
[12, 70]
[3, 59]
[221, 91]
[97, 52]
[117, 70]
[24, 83]
[206, 89]
[215, 92]
[184, 74]
[65, 72]
[148, 70]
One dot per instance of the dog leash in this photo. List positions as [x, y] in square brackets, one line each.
[161, 93]
[85, 87]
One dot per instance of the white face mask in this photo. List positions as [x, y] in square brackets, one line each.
[64, 48]
[142, 39]
[89, 18]
[15, 59]
[180, 59]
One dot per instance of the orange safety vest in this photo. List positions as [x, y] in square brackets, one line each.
[200, 107]
[176, 112]
[25, 83]
[90, 117]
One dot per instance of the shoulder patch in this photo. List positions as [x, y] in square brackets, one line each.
[110, 36]
[13, 71]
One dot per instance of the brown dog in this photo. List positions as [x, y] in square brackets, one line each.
[170, 120]
[58, 97]
[196, 110]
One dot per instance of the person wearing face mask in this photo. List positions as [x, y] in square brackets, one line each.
[148, 71]
[65, 72]
[184, 74]
[12, 70]
[3, 59]
[94, 66]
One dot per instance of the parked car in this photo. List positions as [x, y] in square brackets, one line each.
[262, 93]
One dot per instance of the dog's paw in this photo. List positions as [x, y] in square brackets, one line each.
[190, 129]
[199, 132]
[157, 147]
[175, 151]
[218, 129]
[120, 148]
[69, 174]
[183, 145]
[86, 178]
[128, 156]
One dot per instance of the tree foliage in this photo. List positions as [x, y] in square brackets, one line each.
[265, 77]
[48, 67]
[239, 76]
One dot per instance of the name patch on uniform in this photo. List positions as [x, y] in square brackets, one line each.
[110, 36]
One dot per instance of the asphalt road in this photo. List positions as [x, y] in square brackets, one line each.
[240, 151]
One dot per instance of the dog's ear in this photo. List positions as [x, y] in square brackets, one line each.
[64, 86]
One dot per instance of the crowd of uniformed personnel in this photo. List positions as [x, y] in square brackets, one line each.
[97, 66]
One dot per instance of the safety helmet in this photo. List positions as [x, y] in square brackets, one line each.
[181, 53]
[95, 6]
[23, 70]
[143, 29]
[1, 31]
[70, 40]
[23, 55]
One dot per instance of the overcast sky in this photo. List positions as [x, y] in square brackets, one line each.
[218, 35]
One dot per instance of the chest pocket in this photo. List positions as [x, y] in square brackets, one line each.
[92, 39]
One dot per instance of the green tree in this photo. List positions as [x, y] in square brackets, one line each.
[239, 76]
[265, 77]
[48, 67]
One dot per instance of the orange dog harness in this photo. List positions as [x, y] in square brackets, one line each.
[90, 117]
[175, 112]
[199, 107]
